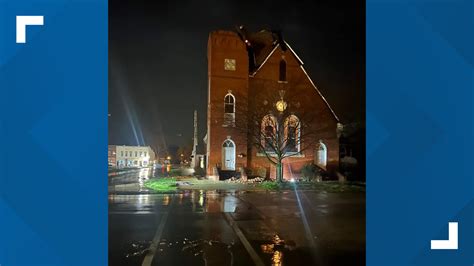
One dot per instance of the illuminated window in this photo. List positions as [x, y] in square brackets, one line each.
[282, 76]
[269, 132]
[292, 134]
[229, 110]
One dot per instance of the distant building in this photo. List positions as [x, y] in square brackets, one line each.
[130, 156]
[250, 64]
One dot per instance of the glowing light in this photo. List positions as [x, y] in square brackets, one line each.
[119, 79]
[166, 200]
[281, 105]
[201, 198]
[277, 258]
[309, 233]
[292, 180]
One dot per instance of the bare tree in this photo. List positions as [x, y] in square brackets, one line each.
[278, 123]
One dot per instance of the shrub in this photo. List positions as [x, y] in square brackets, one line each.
[311, 172]
[349, 167]
[253, 172]
[269, 185]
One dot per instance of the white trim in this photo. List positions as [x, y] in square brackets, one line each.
[293, 52]
[233, 104]
[320, 94]
[301, 66]
[223, 153]
[310, 80]
[264, 61]
[322, 162]
[228, 115]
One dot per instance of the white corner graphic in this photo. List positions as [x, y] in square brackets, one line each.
[451, 243]
[22, 22]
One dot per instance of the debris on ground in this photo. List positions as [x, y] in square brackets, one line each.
[183, 183]
[245, 181]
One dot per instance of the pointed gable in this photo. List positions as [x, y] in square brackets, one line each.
[274, 55]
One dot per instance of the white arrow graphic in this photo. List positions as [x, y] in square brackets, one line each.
[451, 243]
[22, 22]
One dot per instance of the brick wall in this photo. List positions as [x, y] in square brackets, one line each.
[224, 44]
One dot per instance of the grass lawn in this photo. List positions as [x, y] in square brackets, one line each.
[169, 185]
[162, 184]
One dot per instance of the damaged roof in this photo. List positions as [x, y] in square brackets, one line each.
[260, 46]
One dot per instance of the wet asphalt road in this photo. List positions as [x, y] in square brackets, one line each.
[233, 228]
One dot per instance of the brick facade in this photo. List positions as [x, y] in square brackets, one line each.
[246, 81]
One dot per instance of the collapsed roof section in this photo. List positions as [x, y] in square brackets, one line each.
[260, 46]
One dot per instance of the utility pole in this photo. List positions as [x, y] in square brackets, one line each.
[195, 141]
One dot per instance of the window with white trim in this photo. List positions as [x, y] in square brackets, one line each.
[321, 155]
[229, 110]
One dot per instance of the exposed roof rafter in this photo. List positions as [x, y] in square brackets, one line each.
[264, 61]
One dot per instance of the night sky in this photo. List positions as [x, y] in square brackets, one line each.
[158, 65]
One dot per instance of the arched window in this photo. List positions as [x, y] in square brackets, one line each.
[229, 110]
[282, 76]
[228, 144]
[321, 155]
[292, 134]
[268, 132]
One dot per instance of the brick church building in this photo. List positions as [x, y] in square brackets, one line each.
[243, 65]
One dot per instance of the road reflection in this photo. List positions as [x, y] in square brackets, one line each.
[197, 231]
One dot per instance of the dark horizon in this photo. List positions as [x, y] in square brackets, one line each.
[158, 65]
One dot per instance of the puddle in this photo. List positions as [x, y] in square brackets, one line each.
[198, 252]
[133, 254]
[137, 249]
[278, 252]
[183, 252]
